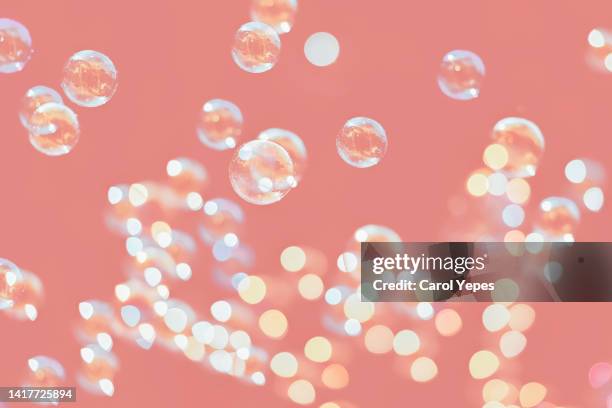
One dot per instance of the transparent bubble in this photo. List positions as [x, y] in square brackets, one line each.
[90, 79]
[322, 49]
[558, 216]
[221, 217]
[15, 46]
[27, 297]
[219, 124]
[292, 144]
[461, 75]
[44, 372]
[524, 145]
[96, 317]
[599, 52]
[54, 129]
[256, 47]
[98, 370]
[35, 97]
[262, 172]
[362, 142]
[278, 14]
[187, 175]
[10, 276]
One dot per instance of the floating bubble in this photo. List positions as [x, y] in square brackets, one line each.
[461, 75]
[558, 216]
[524, 145]
[98, 370]
[10, 276]
[322, 49]
[15, 46]
[292, 144]
[44, 372]
[219, 124]
[278, 14]
[90, 79]
[27, 297]
[54, 129]
[256, 47]
[187, 175]
[221, 217]
[261, 172]
[35, 97]
[362, 142]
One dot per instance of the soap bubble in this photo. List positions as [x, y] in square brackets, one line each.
[558, 216]
[219, 124]
[524, 144]
[461, 75]
[292, 144]
[44, 372]
[221, 217]
[322, 49]
[35, 97]
[278, 14]
[256, 47]
[261, 172]
[15, 46]
[27, 297]
[10, 276]
[362, 142]
[54, 129]
[90, 79]
[186, 175]
[98, 370]
[599, 53]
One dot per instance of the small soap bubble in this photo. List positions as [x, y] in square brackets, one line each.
[256, 47]
[35, 97]
[558, 216]
[54, 129]
[10, 278]
[599, 52]
[362, 142]
[27, 297]
[44, 372]
[221, 217]
[524, 144]
[15, 46]
[262, 172]
[90, 79]
[278, 14]
[187, 175]
[461, 75]
[292, 144]
[219, 124]
[322, 49]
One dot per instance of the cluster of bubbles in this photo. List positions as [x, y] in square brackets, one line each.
[89, 80]
[21, 292]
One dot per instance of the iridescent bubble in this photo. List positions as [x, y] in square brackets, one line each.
[524, 144]
[362, 142]
[461, 75]
[15, 46]
[278, 14]
[35, 97]
[54, 129]
[262, 172]
[219, 124]
[256, 47]
[292, 144]
[558, 216]
[44, 372]
[90, 79]
[10, 276]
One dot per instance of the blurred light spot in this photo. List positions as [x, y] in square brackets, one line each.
[183, 271]
[335, 376]
[406, 342]
[477, 185]
[576, 171]
[310, 286]
[221, 311]
[512, 343]
[379, 339]
[518, 191]
[252, 289]
[301, 392]
[483, 364]
[352, 327]
[522, 317]
[347, 262]
[425, 310]
[318, 349]
[448, 322]
[273, 323]
[532, 394]
[138, 194]
[115, 195]
[354, 308]
[284, 364]
[593, 199]
[333, 296]
[495, 317]
[194, 201]
[423, 369]
[293, 259]
[176, 319]
[322, 49]
[495, 390]
[497, 184]
[513, 215]
[495, 156]
[596, 38]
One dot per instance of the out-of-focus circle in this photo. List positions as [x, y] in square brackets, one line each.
[335, 376]
[318, 349]
[90, 79]
[322, 49]
[379, 339]
[273, 323]
[448, 322]
[256, 47]
[423, 369]
[483, 364]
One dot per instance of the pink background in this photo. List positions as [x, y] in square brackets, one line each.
[173, 56]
